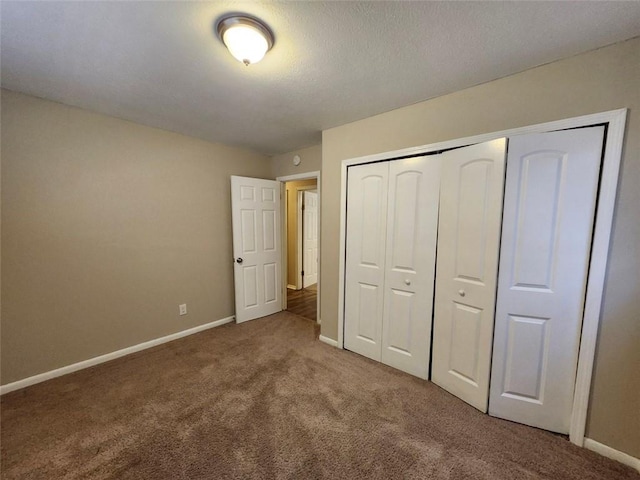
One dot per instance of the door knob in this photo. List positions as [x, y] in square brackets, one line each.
[461, 293]
[239, 260]
[407, 281]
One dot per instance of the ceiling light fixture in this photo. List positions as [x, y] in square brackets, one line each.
[246, 38]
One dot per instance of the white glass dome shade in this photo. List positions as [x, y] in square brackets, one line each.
[247, 39]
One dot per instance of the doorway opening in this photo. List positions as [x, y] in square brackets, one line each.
[301, 244]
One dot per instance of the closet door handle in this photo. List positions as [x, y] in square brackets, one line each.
[461, 293]
[407, 281]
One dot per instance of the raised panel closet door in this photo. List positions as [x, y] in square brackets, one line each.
[412, 224]
[468, 245]
[367, 187]
[550, 198]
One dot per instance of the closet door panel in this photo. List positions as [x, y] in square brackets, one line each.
[367, 187]
[468, 246]
[412, 221]
[465, 327]
[550, 200]
[473, 185]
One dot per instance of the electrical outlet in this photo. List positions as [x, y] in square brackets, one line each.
[183, 309]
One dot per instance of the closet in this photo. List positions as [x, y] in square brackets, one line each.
[390, 260]
[490, 251]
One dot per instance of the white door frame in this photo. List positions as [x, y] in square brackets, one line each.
[616, 120]
[290, 178]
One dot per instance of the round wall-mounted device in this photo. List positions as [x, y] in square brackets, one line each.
[296, 160]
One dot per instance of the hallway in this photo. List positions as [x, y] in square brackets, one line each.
[304, 302]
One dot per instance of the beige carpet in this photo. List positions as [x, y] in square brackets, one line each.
[266, 400]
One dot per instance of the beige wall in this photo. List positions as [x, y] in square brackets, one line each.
[292, 227]
[601, 80]
[311, 161]
[107, 227]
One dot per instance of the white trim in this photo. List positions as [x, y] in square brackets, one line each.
[612, 453]
[299, 176]
[291, 287]
[58, 372]
[288, 178]
[602, 232]
[299, 252]
[597, 273]
[284, 260]
[583, 121]
[328, 341]
[343, 251]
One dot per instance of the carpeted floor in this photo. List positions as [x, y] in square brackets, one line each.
[263, 400]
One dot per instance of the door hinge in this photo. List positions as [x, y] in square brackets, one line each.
[303, 207]
[302, 273]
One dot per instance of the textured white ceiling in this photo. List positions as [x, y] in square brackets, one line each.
[159, 63]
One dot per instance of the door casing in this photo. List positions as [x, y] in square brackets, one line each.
[290, 178]
[615, 121]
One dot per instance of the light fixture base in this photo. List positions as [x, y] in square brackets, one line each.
[232, 20]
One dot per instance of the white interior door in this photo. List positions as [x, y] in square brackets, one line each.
[550, 198]
[310, 238]
[412, 224]
[468, 243]
[255, 208]
[365, 257]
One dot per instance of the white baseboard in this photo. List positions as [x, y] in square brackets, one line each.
[58, 372]
[612, 453]
[328, 341]
[292, 287]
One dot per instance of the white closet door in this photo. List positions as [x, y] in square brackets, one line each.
[550, 197]
[412, 224]
[365, 255]
[468, 244]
